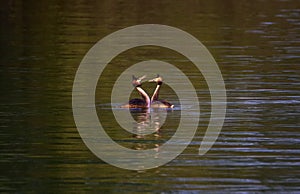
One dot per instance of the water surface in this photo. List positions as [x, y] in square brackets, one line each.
[256, 45]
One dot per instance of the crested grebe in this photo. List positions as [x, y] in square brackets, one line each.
[155, 102]
[137, 102]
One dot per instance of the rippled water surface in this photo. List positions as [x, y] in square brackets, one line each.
[255, 43]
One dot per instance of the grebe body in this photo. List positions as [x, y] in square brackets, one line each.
[155, 101]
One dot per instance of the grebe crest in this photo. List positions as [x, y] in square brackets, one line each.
[157, 80]
[137, 81]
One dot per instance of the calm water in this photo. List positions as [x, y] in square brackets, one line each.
[255, 43]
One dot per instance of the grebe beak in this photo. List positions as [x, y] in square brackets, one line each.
[155, 79]
[141, 78]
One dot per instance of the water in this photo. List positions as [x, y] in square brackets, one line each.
[256, 45]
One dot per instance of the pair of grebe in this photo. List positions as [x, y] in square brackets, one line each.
[148, 102]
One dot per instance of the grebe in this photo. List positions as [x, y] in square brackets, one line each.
[137, 102]
[155, 102]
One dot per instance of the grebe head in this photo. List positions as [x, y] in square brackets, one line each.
[136, 82]
[158, 79]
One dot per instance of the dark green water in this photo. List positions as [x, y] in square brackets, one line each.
[255, 43]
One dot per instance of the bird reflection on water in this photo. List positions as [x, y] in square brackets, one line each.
[148, 120]
[147, 126]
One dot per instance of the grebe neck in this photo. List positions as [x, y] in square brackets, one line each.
[145, 96]
[156, 92]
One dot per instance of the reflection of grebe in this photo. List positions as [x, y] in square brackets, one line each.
[155, 102]
[137, 102]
